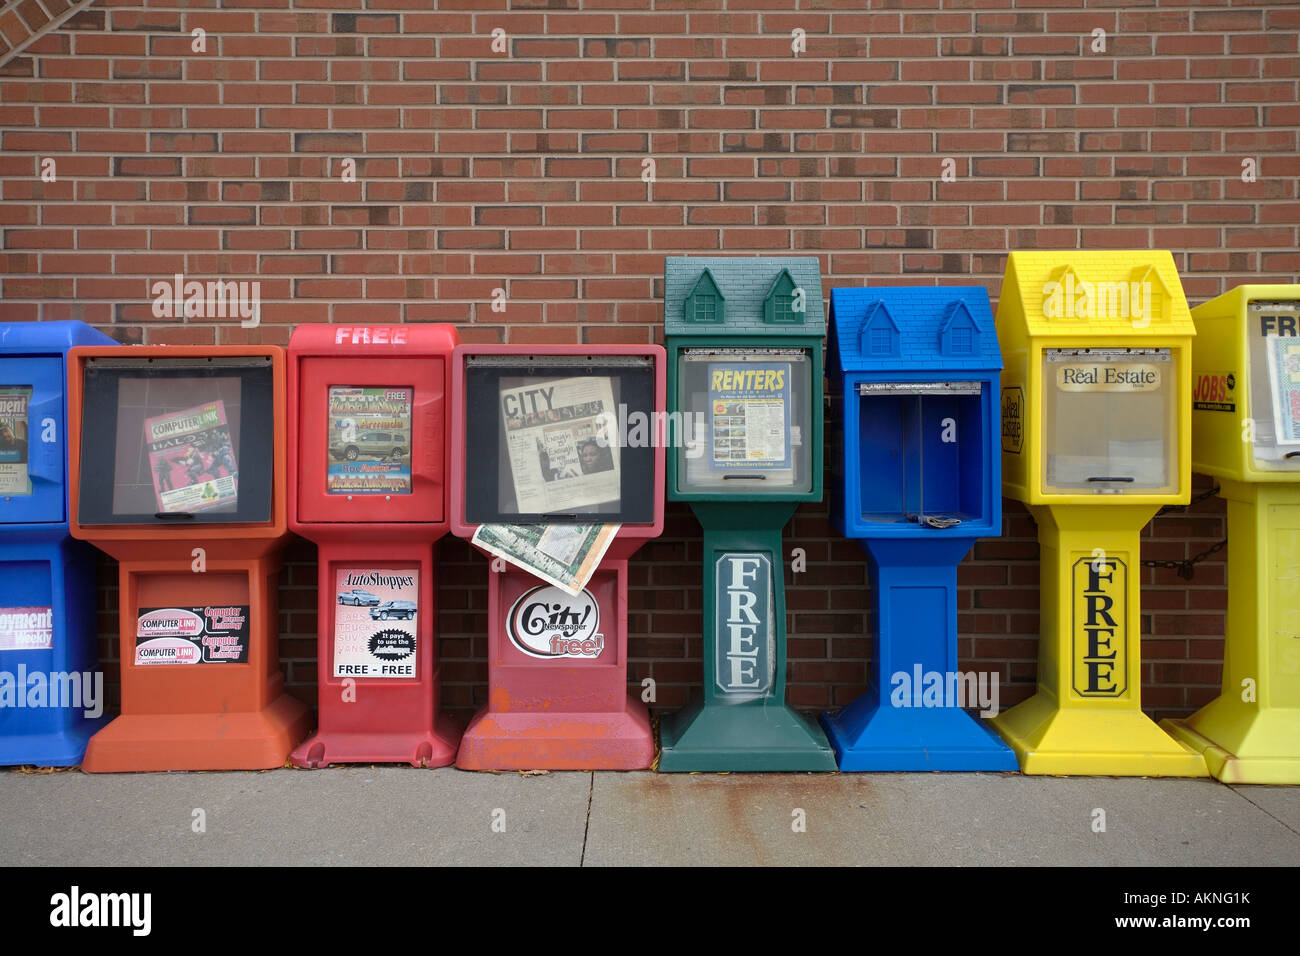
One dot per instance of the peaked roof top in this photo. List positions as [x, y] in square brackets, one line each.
[744, 282]
[921, 313]
[703, 282]
[1030, 275]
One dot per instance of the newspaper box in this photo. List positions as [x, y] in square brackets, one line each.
[916, 376]
[744, 338]
[51, 696]
[557, 464]
[177, 468]
[1246, 433]
[368, 438]
[1095, 439]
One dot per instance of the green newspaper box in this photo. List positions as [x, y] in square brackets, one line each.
[745, 383]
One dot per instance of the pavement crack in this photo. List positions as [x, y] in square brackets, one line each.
[1264, 810]
[586, 828]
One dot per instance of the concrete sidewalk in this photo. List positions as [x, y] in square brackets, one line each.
[404, 816]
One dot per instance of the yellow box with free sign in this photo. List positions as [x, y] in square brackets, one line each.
[1096, 436]
[1246, 433]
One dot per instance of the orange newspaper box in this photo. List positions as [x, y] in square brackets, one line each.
[368, 410]
[177, 470]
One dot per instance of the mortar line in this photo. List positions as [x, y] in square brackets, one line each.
[587, 826]
[1233, 788]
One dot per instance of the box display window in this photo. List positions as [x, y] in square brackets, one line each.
[15, 425]
[1273, 334]
[559, 438]
[1110, 421]
[171, 440]
[745, 422]
[921, 452]
[368, 450]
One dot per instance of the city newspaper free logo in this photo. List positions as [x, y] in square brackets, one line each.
[1099, 626]
[744, 623]
[548, 623]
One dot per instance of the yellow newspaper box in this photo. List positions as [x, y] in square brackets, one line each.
[1246, 433]
[1095, 439]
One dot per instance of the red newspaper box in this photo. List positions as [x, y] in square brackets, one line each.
[549, 443]
[177, 469]
[367, 464]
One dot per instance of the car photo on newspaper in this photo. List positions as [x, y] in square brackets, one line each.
[400, 610]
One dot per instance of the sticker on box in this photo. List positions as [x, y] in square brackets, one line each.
[206, 634]
[375, 622]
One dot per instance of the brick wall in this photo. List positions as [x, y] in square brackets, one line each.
[521, 169]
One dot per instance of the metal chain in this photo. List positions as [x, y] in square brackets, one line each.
[1187, 569]
[1203, 496]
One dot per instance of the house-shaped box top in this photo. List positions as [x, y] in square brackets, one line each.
[917, 369]
[1065, 293]
[948, 328]
[1245, 426]
[1097, 378]
[743, 295]
[744, 337]
[33, 418]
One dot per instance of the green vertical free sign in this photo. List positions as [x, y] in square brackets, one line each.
[745, 635]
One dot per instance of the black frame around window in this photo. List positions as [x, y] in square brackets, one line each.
[254, 451]
[487, 458]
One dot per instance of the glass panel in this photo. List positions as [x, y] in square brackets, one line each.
[1273, 331]
[176, 440]
[744, 421]
[1110, 423]
[14, 479]
[554, 439]
[369, 450]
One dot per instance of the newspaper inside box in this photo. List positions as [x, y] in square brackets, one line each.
[15, 439]
[165, 441]
[559, 438]
[368, 440]
[921, 452]
[1110, 421]
[746, 420]
[1274, 373]
[31, 446]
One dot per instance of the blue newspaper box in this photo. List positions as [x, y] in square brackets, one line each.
[915, 371]
[51, 697]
